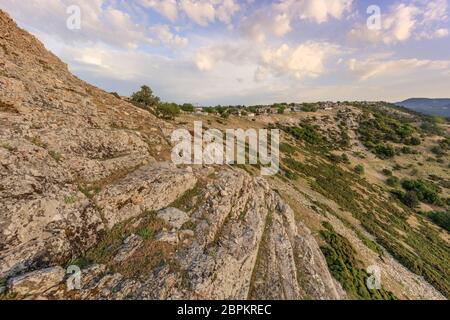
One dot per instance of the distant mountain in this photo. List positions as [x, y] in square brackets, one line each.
[439, 107]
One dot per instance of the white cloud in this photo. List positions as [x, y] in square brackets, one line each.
[306, 60]
[167, 8]
[261, 25]
[165, 36]
[371, 68]
[201, 12]
[441, 33]
[436, 10]
[234, 52]
[316, 10]
[226, 9]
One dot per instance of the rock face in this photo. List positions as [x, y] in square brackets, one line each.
[246, 243]
[63, 142]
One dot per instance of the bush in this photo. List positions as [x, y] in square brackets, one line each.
[410, 199]
[413, 141]
[385, 151]
[426, 191]
[393, 181]
[309, 107]
[187, 107]
[359, 169]
[442, 219]
[167, 111]
[307, 133]
[438, 150]
[387, 172]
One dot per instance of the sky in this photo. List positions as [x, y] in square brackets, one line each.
[210, 52]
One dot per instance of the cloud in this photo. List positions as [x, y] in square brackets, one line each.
[372, 68]
[226, 9]
[234, 52]
[165, 36]
[262, 24]
[318, 11]
[167, 8]
[201, 12]
[306, 60]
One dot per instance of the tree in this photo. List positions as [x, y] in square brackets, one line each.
[144, 97]
[281, 109]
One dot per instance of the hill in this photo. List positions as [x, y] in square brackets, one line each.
[436, 107]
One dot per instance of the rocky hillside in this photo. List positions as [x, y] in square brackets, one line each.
[87, 181]
[84, 175]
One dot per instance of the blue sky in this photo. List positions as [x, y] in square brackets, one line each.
[245, 52]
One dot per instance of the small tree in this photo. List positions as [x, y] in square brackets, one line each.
[144, 97]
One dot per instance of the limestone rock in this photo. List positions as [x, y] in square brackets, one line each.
[149, 188]
[36, 282]
[169, 237]
[173, 217]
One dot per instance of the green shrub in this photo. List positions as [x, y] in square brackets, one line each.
[410, 199]
[167, 111]
[384, 151]
[187, 107]
[359, 169]
[307, 133]
[393, 181]
[442, 219]
[310, 107]
[426, 191]
[413, 141]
